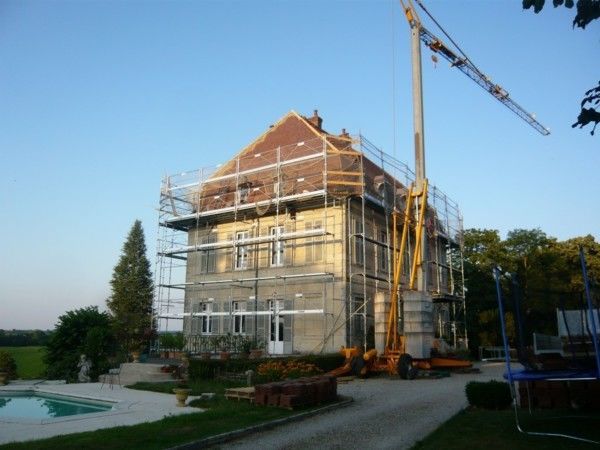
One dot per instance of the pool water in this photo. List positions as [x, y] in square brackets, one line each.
[36, 405]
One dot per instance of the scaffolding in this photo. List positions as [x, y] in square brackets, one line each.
[296, 241]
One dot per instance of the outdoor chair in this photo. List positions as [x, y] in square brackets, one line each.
[111, 376]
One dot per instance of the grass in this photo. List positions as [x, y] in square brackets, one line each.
[197, 387]
[223, 415]
[30, 363]
[483, 429]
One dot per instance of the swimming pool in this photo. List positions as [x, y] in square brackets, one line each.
[37, 405]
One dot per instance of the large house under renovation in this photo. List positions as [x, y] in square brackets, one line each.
[291, 242]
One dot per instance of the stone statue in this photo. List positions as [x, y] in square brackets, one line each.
[84, 366]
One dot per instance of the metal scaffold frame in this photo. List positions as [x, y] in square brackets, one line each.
[354, 177]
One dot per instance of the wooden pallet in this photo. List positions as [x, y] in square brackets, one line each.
[245, 393]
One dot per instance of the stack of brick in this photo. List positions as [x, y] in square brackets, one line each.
[560, 394]
[292, 394]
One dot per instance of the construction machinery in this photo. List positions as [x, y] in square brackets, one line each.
[399, 346]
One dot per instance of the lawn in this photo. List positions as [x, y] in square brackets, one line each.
[30, 363]
[222, 415]
[482, 429]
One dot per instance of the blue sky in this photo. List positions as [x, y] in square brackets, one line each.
[99, 100]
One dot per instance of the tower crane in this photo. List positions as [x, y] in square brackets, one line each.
[417, 340]
[399, 350]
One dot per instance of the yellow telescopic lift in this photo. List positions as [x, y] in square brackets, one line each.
[395, 359]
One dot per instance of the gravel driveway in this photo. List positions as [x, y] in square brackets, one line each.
[386, 413]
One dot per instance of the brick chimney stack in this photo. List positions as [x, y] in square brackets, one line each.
[316, 120]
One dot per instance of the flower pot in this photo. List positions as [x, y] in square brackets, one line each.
[181, 394]
[224, 355]
[256, 353]
[136, 356]
[3, 378]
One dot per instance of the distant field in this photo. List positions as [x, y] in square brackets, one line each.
[29, 360]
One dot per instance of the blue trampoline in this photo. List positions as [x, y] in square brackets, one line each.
[530, 374]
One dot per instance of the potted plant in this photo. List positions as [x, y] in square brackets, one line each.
[178, 344]
[245, 347]
[135, 351]
[257, 349]
[182, 391]
[185, 359]
[225, 344]
[8, 367]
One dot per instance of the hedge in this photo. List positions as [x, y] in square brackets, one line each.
[206, 369]
[488, 395]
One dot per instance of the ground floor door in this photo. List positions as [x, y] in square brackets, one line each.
[275, 327]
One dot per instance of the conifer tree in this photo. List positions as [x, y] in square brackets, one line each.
[130, 303]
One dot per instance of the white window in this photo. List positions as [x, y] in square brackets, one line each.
[276, 246]
[208, 256]
[314, 245]
[239, 319]
[359, 254]
[241, 251]
[383, 251]
[206, 309]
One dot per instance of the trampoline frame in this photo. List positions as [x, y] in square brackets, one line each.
[561, 375]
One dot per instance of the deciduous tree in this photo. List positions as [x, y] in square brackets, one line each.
[81, 331]
[587, 11]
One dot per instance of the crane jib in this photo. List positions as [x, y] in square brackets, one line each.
[465, 66]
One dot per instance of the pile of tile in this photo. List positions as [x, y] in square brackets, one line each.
[560, 394]
[297, 393]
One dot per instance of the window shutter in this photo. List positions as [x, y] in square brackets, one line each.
[229, 255]
[289, 246]
[250, 320]
[227, 320]
[287, 327]
[262, 322]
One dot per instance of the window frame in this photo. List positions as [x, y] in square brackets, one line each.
[383, 260]
[239, 320]
[276, 247]
[206, 323]
[242, 252]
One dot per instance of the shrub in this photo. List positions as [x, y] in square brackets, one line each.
[276, 370]
[8, 364]
[81, 331]
[172, 341]
[207, 369]
[488, 395]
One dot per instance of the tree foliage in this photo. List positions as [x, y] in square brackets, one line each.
[548, 272]
[587, 11]
[23, 338]
[130, 303]
[81, 331]
[8, 364]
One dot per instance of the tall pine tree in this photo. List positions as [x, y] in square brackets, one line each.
[132, 291]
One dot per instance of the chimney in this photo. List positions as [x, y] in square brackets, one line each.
[316, 120]
[345, 134]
